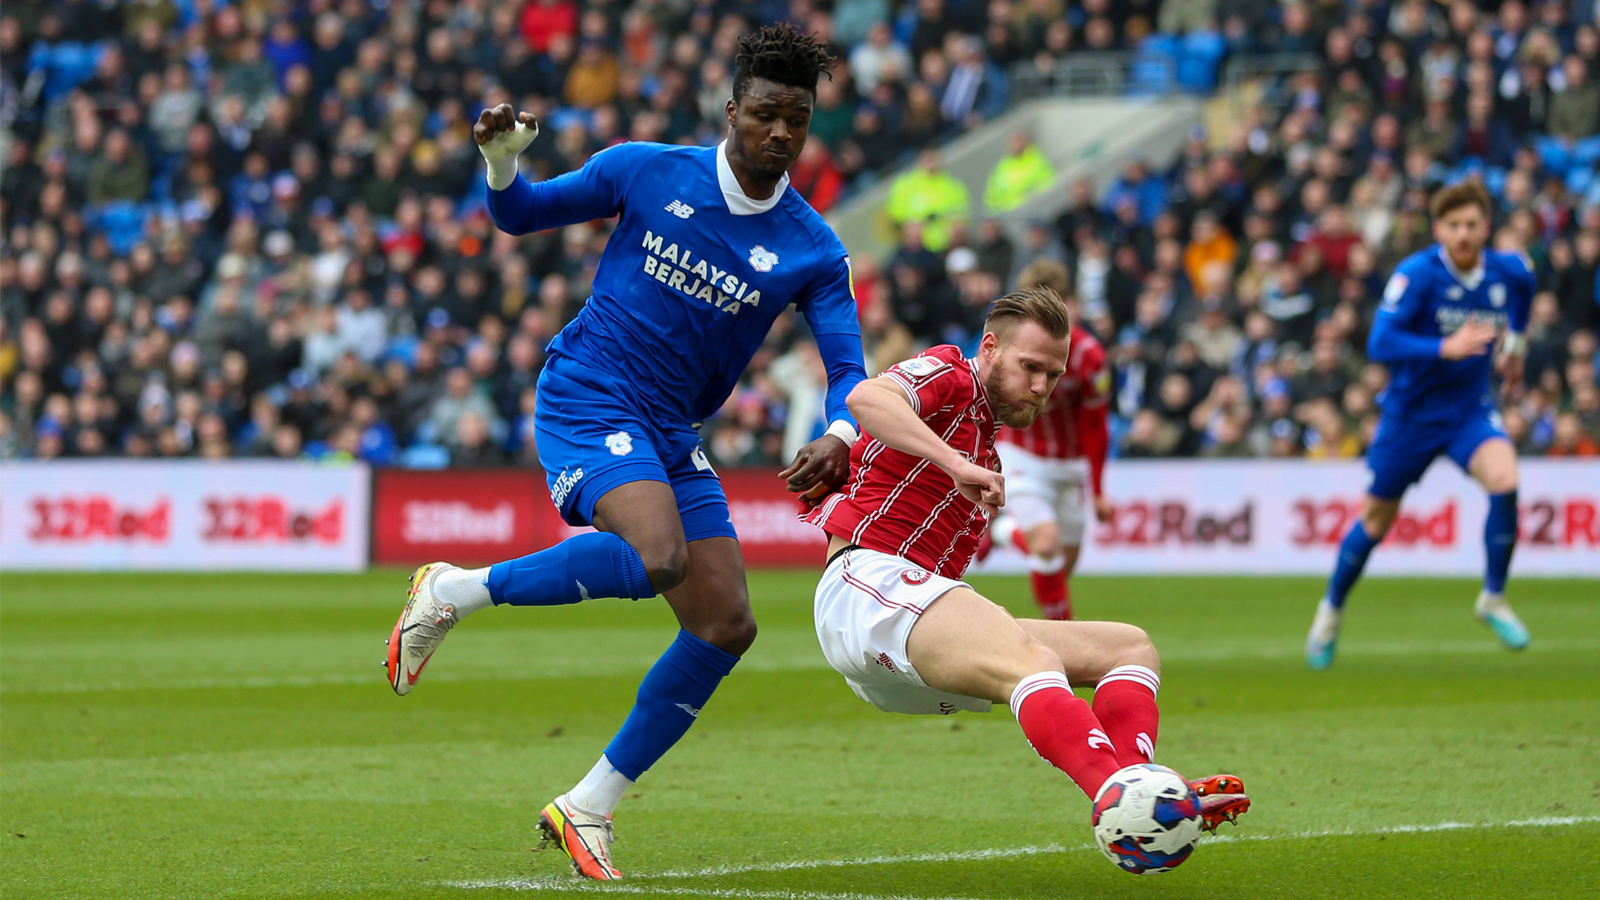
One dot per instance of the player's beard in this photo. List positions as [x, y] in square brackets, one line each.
[1009, 409]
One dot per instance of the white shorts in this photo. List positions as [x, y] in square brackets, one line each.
[1041, 490]
[867, 603]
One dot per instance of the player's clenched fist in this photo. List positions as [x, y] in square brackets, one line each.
[502, 134]
[985, 487]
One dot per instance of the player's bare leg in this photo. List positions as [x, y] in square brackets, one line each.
[1090, 650]
[965, 644]
[1377, 514]
[645, 514]
[713, 602]
[1494, 465]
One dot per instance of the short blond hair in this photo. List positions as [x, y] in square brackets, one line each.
[1033, 304]
[1044, 272]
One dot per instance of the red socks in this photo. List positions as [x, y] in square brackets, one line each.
[1125, 704]
[1054, 597]
[1063, 730]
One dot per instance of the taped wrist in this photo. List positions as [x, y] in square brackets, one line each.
[502, 151]
[844, 431]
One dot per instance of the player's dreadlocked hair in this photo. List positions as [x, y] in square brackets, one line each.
[782, 54]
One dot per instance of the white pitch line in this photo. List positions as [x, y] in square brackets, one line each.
[1437, 648]
[565, 884]
[571, 886]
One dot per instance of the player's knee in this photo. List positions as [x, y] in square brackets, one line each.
[667, 564]
[732, 633]
[1376, 519]
[1139, 650]
[1500, 481]
[1033, 657]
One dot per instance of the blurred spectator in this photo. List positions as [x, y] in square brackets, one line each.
[931, 197]
[1575, 111]
[1570, 439]
[472, 446]
[1023, 172]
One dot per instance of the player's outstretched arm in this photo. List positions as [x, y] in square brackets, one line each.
[884, 410]
[592, 192]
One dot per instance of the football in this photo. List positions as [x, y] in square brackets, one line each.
[1146, 819]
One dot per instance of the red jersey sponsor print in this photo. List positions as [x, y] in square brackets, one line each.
[902, 504]
[1073, 422]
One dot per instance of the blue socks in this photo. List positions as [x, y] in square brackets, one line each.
[579, 568]
[1353, 553]
[677, 686]
[1499, 539]
[670, 698]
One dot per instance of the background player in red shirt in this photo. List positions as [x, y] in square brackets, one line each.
[1053, 467]
[891, 615]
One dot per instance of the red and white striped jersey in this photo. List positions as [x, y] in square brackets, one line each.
[1072, 424]
[902, 504]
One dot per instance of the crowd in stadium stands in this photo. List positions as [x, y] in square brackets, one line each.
[257, 227]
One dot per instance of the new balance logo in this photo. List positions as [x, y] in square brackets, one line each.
[1097, 738]
[680, 209]
[689, 709]
[886, 662]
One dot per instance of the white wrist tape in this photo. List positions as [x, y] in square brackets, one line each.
[502, 151]
[844, 431]
[1514, 344]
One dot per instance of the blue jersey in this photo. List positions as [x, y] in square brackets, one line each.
[694, 275]
[1428, 298]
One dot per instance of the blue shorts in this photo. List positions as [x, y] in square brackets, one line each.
[595, 434]
[1403, 449]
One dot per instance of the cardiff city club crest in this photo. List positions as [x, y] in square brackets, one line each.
[762, 259]
[1497, 295]
[620, 444]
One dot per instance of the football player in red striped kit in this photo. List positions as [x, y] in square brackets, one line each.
[892, 615]
[1054, 466]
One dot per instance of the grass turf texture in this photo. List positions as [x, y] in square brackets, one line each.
[232, 736]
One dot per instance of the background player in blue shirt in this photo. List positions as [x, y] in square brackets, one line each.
[711, 246]
[1440, 314]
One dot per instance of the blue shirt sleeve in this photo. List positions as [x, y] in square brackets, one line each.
[595, 191]
[1524, 287]
[1391, 339]
[830, 309]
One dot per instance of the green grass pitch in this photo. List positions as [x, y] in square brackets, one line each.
[218, 736]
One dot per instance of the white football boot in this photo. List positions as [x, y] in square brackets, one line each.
[585, 838]
[421, 627]
[1493, 611]
[1324, 636]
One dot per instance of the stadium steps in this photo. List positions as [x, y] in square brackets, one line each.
[1083, 138]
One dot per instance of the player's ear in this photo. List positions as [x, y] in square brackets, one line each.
[732, 108]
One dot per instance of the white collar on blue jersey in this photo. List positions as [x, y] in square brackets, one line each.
[1469, 280]
[738, 203]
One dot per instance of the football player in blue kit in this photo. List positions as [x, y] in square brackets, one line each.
[711, 246]
[1441, 313]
